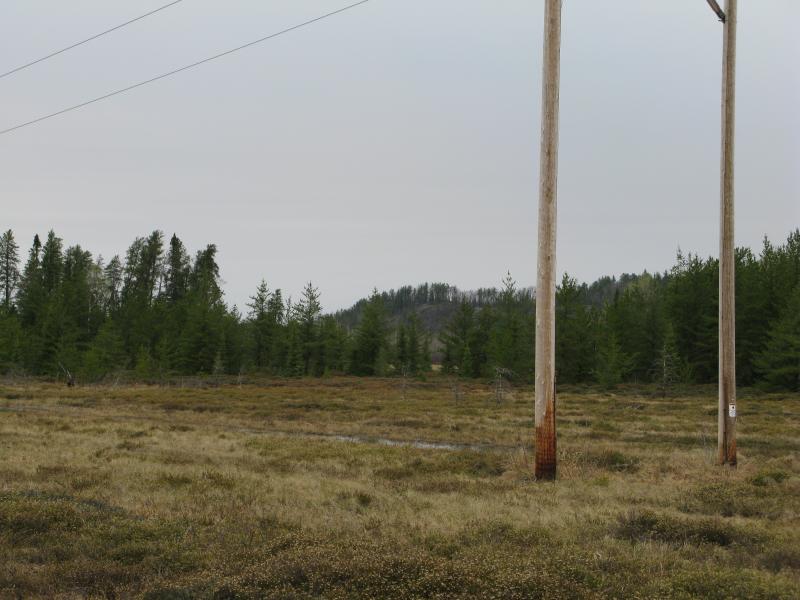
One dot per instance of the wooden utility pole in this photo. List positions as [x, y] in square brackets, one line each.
[545, 409]
[727, 306]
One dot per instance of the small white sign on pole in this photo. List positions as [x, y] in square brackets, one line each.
[732, 411]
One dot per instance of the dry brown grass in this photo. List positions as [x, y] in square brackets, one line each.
[244, 492]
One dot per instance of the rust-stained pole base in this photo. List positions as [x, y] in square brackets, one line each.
[727, 305]
[545, 413]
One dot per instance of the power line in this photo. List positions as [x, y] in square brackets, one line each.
[181, 69]
[89, 39]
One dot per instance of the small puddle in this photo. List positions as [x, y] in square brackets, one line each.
[406, 443]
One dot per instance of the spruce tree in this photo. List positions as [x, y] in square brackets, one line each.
[413, 358]
[779, 363]
[333, 341]
[369, 347]
[276, 312]
[512, 338]
[479, 346]
[425, 353]
[262, 325]
[308, 313]
[295, 363]
[52, 262]
[612, 363]
[9, 268]
[380, 367]
[691, 297]
[137, 320]
[667, 369]
[106, 353]
[113, 281]
[177, 271]
[204, 278]
[81, 311]
[10, 342]
[575, 333]
[456, 334]
[466, 368]
[401, 348]
[146, 367]
[30, 293]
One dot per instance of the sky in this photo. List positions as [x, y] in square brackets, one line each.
[398, 142]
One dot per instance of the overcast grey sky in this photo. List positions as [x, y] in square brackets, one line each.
[396, 143]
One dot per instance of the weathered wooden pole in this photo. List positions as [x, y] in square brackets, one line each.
[545, 407]
[727, 305]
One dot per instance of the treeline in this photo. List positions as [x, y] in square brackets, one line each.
[160, 312]
[647, 328]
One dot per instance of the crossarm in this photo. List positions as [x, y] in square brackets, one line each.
[715, 7]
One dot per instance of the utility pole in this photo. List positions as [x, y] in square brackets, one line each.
[726, 417]
[545, 408]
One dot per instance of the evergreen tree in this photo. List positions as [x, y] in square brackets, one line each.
[262, 326]
[98, 292]
[668, 368]
[52, 262]
[52, 334]
[479, 344]
[512, 339]
[177, 271]
[202, 335]
[575, 332]
[232, 350]
[308, 311]
[137, 319]
[636, 318]
[425, 354]
[9, 268]
[295, 363]
[146, 367]
[466, 368]
[401, 348]
[277, 312]
[10, 342]
[692, 308]
[204, 277]
[82, 313]
[752, 315]
[413, 354]
[30, 307]
[456, 335]
[113, 281]
[612, 363]
[381, 365]
[31, 293]
[333, 342]
[779, 363]
[369, 348]
[219, 365]
[106, 353]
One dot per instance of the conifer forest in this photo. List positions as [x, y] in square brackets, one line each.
[159, 311]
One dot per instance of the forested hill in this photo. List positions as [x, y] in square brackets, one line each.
[159, 311]
[436, 303]
[433, 303]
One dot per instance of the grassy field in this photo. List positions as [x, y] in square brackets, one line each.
[254, 491]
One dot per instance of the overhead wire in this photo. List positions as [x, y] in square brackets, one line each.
[89, 39]
[181, 69]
